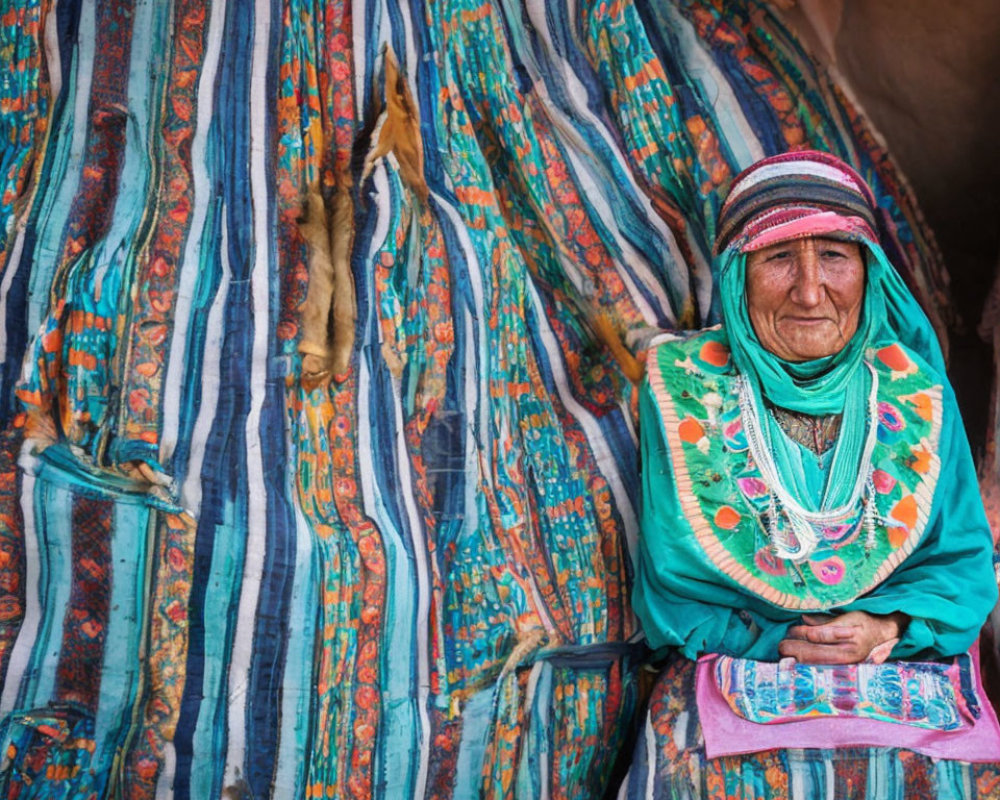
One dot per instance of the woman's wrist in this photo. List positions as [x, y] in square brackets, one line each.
[897, 622]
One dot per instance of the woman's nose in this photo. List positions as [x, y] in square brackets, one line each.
[808, 288]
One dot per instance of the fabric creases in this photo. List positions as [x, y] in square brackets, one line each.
[325, 320]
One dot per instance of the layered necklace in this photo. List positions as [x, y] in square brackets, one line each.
[806, 526]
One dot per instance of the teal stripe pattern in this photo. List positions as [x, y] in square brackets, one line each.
[323, 323]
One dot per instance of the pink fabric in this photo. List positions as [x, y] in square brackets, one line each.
[765, 231]
[727, 734]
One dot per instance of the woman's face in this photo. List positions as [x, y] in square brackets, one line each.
[804, 296]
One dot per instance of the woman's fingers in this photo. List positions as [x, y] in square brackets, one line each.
[812, 653]
[880, 652]
[841, 652]
[846, 639]
[822, 634]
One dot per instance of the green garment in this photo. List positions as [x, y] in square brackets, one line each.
[835, 384]
[946, 584]
[708, 578]
[889, 313]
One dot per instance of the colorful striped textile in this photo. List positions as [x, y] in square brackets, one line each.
[318, 465]
[670, 762]
[792, 195]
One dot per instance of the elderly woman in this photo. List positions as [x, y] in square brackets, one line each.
[810, 511]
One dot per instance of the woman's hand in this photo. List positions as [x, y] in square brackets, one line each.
[845, 639]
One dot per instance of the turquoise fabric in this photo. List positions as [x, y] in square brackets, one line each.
[834, 486]
[947, 585]
[806, 474]
[832, 385]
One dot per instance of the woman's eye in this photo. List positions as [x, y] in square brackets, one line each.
[781, 255]
[833, 254]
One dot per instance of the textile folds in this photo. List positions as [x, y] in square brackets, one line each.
[318, 470]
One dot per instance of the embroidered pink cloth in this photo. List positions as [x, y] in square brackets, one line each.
[727, 733]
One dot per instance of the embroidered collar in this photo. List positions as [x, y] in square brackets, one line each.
[694, 383]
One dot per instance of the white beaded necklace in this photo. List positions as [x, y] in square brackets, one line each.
[803, 522]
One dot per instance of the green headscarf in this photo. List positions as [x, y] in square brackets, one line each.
[889, 314]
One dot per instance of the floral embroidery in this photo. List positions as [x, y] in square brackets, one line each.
[729, 514]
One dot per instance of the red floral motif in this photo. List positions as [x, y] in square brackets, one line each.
[830, 571]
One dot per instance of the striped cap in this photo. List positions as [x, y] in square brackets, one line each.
[794, 196]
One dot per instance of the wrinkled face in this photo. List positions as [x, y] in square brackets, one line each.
[804, 296]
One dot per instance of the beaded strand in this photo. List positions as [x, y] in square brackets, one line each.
[803, 522]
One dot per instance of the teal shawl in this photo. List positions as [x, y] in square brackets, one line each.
[946, 584]
[889, 314]
[837, 384]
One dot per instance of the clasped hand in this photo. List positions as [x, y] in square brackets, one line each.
[848, 638]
